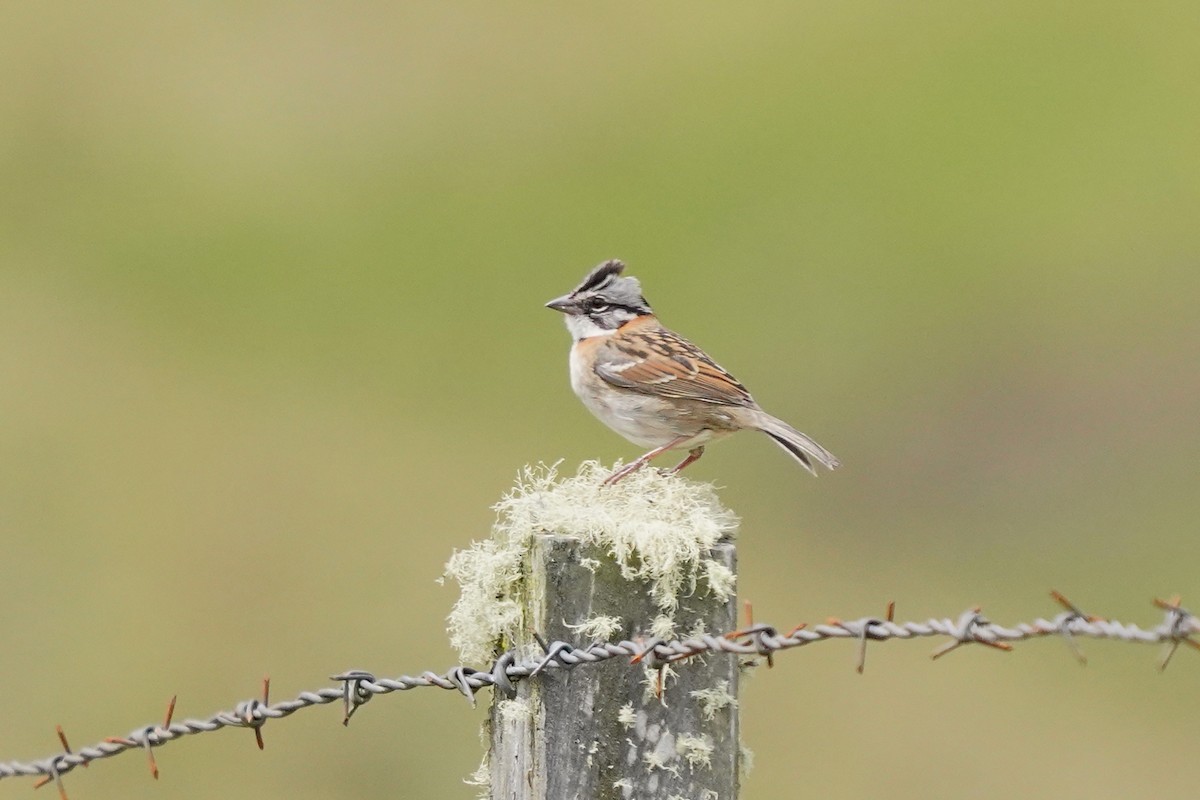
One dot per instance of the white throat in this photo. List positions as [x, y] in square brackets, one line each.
[582, 327]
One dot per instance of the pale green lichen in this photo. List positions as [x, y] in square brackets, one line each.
[655, 683]
[488, 574]
[482, 777]
[720, 579]
[663, 627]
[626, 716]
[696, 750]
[515, 710]
[745, 760]
[600, 627]
[714, 699]
[657, 760]
[659, 529]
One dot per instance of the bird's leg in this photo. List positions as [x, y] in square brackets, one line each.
[693, 455]
[633, 466]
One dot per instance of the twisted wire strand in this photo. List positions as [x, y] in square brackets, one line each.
[358, 686]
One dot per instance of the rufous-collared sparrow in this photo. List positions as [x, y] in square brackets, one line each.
[653, 386]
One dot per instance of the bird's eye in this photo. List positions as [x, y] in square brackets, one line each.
[596, 306]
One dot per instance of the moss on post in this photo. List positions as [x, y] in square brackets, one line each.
[572, 560]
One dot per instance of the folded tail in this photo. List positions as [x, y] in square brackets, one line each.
[799, 445]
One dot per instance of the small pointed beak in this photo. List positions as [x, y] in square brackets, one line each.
[564, 304]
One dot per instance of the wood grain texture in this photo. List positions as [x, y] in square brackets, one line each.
[570, 745]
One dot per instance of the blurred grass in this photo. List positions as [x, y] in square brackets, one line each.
[270, 326]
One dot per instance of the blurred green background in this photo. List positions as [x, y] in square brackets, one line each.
[271, 343]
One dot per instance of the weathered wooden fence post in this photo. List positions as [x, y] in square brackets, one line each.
[600, 731]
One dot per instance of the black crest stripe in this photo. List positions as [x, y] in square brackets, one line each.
[600, 276]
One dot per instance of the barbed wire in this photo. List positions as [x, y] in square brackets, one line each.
[359, 686]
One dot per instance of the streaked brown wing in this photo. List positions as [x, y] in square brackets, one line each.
[661, 362]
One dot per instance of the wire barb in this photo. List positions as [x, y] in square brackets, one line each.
[1073, 614]
[458, 676]
[53, 774]
[864, 634]
[499, 673]
[647, 651]
[554, 655]
[972, 627]
[1181, 624]
[148, 746]
[353, 692]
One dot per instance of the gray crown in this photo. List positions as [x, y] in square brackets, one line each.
[605, 281]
